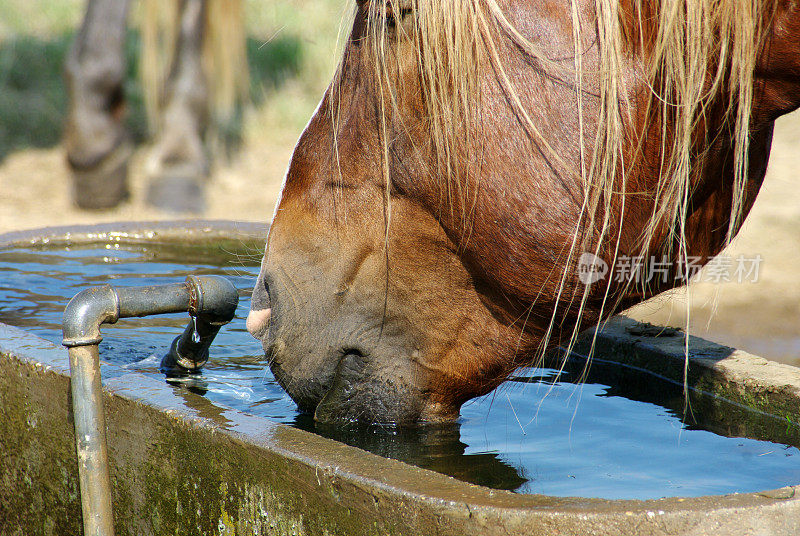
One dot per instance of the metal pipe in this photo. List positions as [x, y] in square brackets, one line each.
[212, 308]
[90, 440]
[210, 300]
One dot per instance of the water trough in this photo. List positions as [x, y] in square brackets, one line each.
[177, 468]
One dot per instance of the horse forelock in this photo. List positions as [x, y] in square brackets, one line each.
[678, 42]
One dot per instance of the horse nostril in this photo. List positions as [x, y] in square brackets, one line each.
[260, 299]
[258, 321]
[260, 308]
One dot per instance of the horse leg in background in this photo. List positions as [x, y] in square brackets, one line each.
[97, 142]
[178, 165]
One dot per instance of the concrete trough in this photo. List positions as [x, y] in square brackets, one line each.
[176, 469]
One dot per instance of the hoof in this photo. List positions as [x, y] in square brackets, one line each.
[178, 194]
[104, 185]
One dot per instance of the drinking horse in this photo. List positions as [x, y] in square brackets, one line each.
[470, 155]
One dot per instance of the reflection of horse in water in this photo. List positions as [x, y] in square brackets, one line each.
[438, 448]
[466, 157]
[194, 71]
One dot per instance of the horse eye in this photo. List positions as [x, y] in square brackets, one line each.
[392, 15]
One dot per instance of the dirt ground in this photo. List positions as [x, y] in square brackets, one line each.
[762, 317]
[35, 190]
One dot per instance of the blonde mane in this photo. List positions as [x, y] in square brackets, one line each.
[695, 54]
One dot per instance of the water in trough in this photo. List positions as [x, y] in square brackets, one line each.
[617, 434]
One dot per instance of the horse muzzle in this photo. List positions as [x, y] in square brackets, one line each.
[325, 359]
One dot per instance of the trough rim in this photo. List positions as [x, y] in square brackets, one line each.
[395, 477]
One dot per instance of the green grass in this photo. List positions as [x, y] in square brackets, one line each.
[32, 96]
[291, 48]
[40, 18]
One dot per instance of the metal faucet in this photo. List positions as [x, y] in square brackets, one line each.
[210, 300]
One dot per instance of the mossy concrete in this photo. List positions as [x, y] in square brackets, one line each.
[181, 465]
[728, 373]
[199, 238]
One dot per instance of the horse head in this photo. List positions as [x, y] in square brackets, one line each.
[427, 239]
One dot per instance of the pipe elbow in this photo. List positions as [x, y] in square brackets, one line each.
[213, 299]
[84, 314]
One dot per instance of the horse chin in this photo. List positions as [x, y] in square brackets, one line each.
[359, 387]
[361, 391]
[358, 395]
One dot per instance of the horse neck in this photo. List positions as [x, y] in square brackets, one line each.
[777, 72]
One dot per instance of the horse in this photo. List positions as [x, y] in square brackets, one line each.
[469, 156]
[193, 66]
